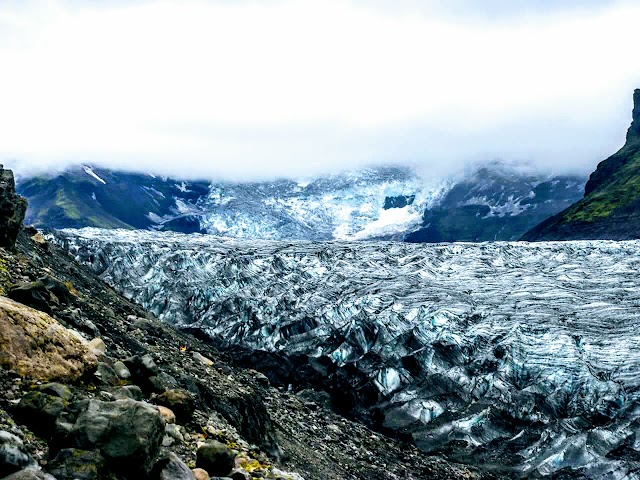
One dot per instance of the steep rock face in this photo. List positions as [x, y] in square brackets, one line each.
[492, 354]
[12, 209]
[610, 208]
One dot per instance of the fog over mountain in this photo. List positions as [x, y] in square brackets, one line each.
[254, 90]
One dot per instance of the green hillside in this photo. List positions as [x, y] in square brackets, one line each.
[610, 208]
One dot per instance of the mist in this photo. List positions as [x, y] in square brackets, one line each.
[254, 90]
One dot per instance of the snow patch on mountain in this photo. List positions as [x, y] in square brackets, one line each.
[89, 171]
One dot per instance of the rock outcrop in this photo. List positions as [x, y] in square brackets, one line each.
[12, 209]
[126, 432]
[38, 347]
[610, 209]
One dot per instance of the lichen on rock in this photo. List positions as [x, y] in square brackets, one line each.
[35, 345]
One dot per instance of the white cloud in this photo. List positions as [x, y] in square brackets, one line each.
[295, 87]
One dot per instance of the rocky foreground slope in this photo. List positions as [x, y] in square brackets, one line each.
[93, 387]
[610, 208]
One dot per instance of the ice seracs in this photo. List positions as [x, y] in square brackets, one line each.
[524, 358]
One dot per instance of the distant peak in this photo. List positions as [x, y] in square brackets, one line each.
[633, 134]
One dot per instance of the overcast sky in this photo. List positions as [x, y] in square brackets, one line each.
[246, 89]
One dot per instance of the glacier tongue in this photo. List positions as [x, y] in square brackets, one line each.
[519, 357]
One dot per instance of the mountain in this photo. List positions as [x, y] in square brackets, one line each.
[494, 202]
[610, 208]
[95, 197]
[522, 359]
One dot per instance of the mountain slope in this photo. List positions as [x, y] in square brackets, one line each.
[494, 202]
[84, 196]
[610, 208]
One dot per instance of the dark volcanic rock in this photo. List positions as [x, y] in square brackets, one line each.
[40, 411]
[42, 294]
[171, 467]
[179, 401]
[75, 464]
[126, 432]
[216, 458]
[12, 209]
[13, 456]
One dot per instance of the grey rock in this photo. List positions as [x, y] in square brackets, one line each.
[39, 411]
[30, 474]
[126, 432]
[128, 391]
[12, 209]
[13, 456]
[171, 467]
[75, 464]
[57, 390]
[141, 366]
[106, 375]
[162, 382]
[216, 458]
[173, 431]
[179, 401]
[121, 370]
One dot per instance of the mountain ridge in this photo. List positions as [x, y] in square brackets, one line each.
[492, 202]
[610, 208]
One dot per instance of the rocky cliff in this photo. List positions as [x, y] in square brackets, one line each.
[12, 209]
[610, 208]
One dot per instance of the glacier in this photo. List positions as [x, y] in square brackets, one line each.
[349, 205]
[519, 358]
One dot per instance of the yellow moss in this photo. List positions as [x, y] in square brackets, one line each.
[5, 278]
[71, 288]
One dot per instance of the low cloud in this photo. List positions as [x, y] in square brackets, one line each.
[293, 88]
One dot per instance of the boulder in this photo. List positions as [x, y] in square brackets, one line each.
[216, 458]
[57, 390]
[30, 474]
[106, 375]
[39, 411]
[128, 391]
[36, 346]
[13, 456]
[42, 294]
[141, 366]
[74, 464]
[144, 371]
[127, 433]
[162, 382]
[179, 401]
[171, 467]
[12, 209]
[202, 360]
[121, 370]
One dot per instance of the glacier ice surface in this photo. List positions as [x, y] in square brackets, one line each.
[517, 357]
